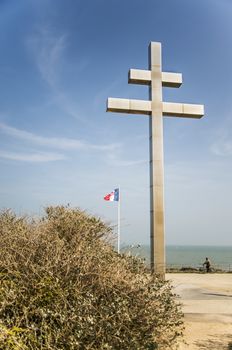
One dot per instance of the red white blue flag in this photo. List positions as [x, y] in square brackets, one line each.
[113, 196]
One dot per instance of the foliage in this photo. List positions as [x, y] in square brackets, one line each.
[62, 286]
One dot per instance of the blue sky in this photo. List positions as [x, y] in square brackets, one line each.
[59, 62]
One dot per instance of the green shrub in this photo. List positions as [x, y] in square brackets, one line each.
[64, 287]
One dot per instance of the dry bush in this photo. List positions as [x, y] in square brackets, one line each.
[64, 287]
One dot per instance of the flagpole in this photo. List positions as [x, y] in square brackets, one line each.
[119, 219]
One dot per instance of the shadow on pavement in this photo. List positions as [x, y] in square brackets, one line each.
[222, 342]
[219, 295]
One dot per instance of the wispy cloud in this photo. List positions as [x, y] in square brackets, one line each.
[48, 50]
[222, 148]
[31, 157]
[54, 142]
[112, 152]
[115, 160]
[222, 144]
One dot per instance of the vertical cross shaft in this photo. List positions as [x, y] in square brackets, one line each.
[156, 162]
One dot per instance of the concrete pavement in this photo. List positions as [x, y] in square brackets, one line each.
[207, 306]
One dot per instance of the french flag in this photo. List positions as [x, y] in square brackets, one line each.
[113, 196]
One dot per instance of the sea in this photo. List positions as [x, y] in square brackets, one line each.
[178, 256]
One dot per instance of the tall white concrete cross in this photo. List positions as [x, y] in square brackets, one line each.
[155, 108]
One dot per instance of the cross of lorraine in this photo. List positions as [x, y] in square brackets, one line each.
[155, 108]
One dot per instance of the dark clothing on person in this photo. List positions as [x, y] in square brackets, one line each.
[207, 265]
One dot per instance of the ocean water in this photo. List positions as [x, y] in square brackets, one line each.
[193, 256]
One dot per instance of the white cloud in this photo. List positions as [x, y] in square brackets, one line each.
[55, 142]
[114, 160]
[222, 144]
[32, 157]
[222, 147]
[48, 49]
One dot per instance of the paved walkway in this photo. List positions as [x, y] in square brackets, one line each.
[207, 306]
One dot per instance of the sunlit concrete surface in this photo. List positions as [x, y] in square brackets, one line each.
[207, 305]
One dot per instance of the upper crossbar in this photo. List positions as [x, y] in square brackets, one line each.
[143, 77]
